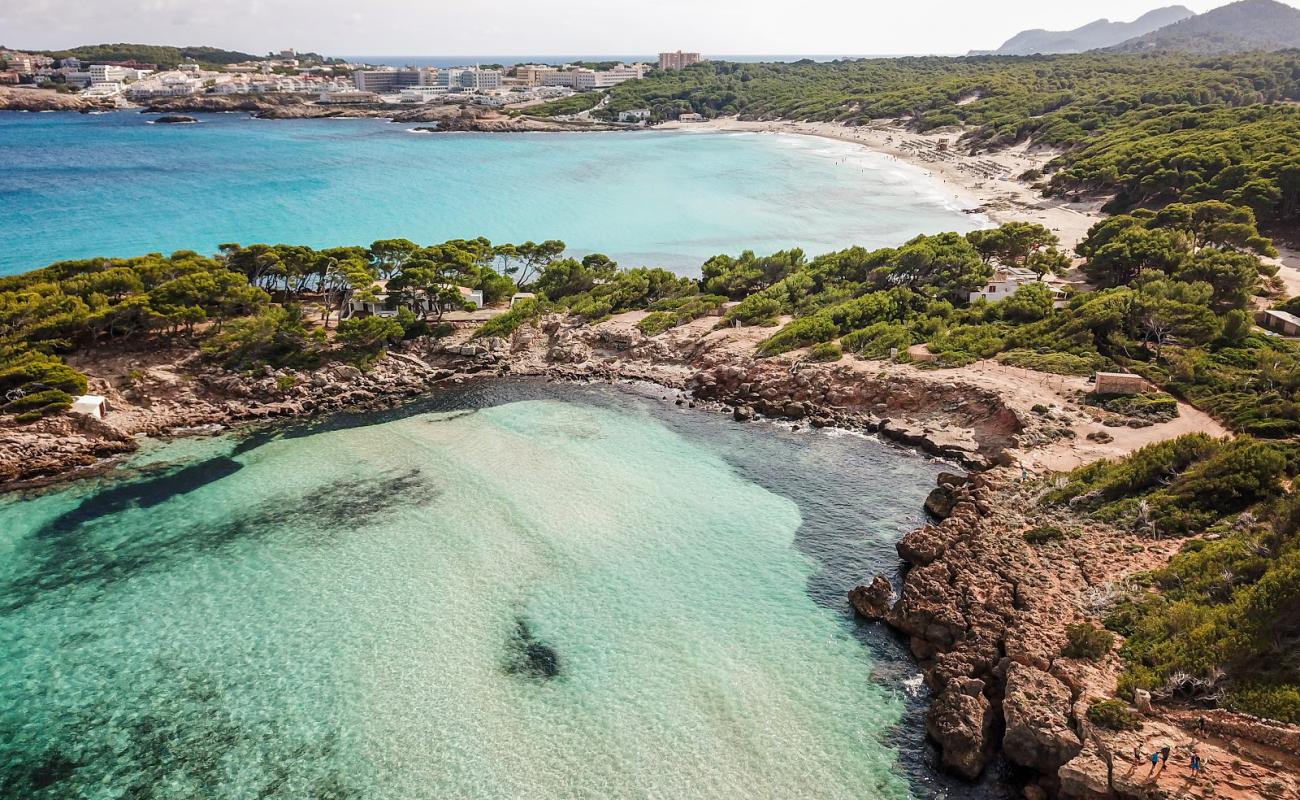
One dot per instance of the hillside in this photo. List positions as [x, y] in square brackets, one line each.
[162, 55]
[1238, 27]
[1094, 35]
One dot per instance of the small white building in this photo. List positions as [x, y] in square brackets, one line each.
[690, 117]
[1006, 281]
[92, 405]
[1002, 284]
[519, 297]
[634, 115]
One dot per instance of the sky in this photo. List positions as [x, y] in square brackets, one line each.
[571, 27]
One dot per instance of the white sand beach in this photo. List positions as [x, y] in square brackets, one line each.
[989, 180]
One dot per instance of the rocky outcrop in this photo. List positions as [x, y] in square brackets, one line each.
[58, 446]
[873, 601]
[943, 497]
[953, 421]
[980, 603]
[442, 118]
[27, 98]
[961, 723]
[1036, 712]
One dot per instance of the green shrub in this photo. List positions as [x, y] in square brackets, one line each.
[1085, 640]
[1044, 534]
[1113, 715]
[1223, 622]
[879, 340]
[369, 335]
[1056, 363]
[503, 325]
[826, 351]
[48, 401]
[1154, 406]
[1281, 703]
[754, 310]
[277, 336]
[656, 322]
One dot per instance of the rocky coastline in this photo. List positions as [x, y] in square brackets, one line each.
[173, 392]
[438, 117]
[32, 99]
[984, 609]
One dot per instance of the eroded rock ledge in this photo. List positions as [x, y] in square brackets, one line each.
[986, 612]
[172, 391]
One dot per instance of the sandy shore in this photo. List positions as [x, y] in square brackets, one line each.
[988, 181]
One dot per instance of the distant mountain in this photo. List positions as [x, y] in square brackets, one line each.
[1245, 25]
[1094, 35]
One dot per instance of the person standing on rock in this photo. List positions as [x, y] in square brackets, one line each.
[1155, 761]
[1196, 765]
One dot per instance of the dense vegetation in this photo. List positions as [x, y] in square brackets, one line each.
[565, 106]
[162, 55]
[1224, 625]
[1149, 128]
[228, 301]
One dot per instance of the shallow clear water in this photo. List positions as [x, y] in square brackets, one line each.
[77, 186]
[516, 590]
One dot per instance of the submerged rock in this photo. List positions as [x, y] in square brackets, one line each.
[529, 657]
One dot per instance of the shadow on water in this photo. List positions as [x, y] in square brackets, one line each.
[180, 740]
[68, 553]
[154, 489]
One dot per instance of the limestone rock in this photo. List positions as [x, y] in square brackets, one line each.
[940, 501]
[960, 722]
[1036, 709]
[1142, 701]
[872, 601]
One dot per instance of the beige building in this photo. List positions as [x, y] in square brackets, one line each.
[678, 60]
[1120, 383]
[534, 74]
[1280, 321]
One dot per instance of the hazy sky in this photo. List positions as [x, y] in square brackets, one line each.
[526, 27]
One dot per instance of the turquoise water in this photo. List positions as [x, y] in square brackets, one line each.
[520, 591]
[76, 186]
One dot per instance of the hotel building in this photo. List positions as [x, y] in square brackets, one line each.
[677, 60]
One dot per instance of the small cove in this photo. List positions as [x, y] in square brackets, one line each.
[581, 590]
